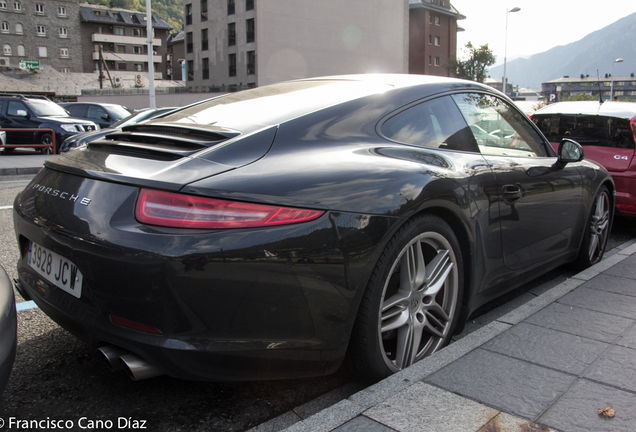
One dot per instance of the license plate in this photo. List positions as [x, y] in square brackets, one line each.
[56, 269]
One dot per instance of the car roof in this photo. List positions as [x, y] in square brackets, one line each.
[626, 110]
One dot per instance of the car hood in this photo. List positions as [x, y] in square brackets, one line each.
[68, 120]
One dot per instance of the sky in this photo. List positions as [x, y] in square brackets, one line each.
[537, 27]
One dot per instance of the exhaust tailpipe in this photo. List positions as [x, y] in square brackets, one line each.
[112, 354]
[137, 368]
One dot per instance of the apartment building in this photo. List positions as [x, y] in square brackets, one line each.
[45, 31]
[432, 36]
[564, 87]
[236, 44]
[121, 35]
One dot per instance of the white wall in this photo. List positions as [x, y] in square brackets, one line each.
[308, 38]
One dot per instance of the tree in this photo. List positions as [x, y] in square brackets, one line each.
[581, 97]
[474, 67]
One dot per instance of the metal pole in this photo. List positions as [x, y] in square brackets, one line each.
[151, 65]
[618, 60]
[505, 87]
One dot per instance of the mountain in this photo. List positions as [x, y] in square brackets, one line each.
[596, 51]
[171, 11]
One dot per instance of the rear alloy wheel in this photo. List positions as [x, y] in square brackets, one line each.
[411, 306]
[597, 231]
[48, 140]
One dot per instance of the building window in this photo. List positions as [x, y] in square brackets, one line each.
[436, 61]
[17, 6]
[61, 11]
[138, 50]
[204, 39]
[251, 62]
[5, 27]
[121, 49]
[42, 52]
[18, 29]
[39, 8]
[436, 40]
[430, 60]
[231, 34]
[121, 66]
[189, 47]
[232, 69]
[436, 20]
[250, 30]
[3, 5]
[249, 5]
[136, 32]
[204, 10]
[188, 14]
[138, 67]
[119, 31]
[7, 49]
[99, 29]
[206, 68]
[66, 70]
[231, 8]
[41, 30]
[21, 51]
[63, 32]
[64, 53]
[190, 67]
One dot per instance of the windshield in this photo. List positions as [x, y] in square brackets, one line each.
[44, 108]
[118, 111]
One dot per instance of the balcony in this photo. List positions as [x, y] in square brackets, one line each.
[129, 40]
[119, 57]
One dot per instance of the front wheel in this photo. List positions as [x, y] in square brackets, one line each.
[48, 140]
[596, 232]
[411, 305]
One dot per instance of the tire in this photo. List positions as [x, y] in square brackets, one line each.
[46, 139]
[412, 302]
[596, 232]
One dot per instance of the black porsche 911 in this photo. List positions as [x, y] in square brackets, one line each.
[274, 232]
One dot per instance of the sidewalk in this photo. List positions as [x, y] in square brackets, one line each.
[21, 162]
[550, 364]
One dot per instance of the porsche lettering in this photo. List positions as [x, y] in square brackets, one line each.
[68, 196]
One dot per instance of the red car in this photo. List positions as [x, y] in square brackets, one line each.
[607, 132]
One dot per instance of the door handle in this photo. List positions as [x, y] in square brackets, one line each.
[512, 192]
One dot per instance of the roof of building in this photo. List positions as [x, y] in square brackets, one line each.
[427, 4]
[567, 79]
[175, 38]
[119, 16]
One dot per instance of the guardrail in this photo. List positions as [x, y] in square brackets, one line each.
[14, 146]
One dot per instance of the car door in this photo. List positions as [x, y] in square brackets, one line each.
[76, 110]
[539, 203]
[98, 115]
[18, 116]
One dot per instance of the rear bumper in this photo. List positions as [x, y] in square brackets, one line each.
[625, 192]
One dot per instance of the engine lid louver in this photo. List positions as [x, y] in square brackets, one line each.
[162, 141]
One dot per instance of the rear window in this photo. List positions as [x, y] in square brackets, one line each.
[587, 130]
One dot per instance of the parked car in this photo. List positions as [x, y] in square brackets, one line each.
[8, 329]
[78, 140]
[270, 233]
[104, 114]
[606, 131]
[38, 112]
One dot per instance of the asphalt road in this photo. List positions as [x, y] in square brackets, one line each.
[56, 377]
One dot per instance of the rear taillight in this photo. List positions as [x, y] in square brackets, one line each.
[632, 123]
[186, 211]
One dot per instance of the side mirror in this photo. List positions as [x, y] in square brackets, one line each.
[569, 151]
[21, 113]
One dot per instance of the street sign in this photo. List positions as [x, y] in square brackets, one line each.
[29, 64]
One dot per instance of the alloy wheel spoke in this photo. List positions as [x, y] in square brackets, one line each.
[413, 268]
[404, 346]
[437, 270]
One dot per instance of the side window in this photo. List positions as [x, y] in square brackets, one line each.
[587, 130]
[498, 128]
[14, 107]
[436, 124]
[76, 110]
[95, 112]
